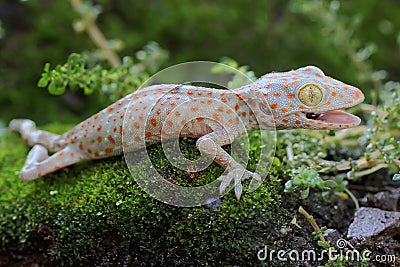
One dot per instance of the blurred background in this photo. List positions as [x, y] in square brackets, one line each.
[357, 42]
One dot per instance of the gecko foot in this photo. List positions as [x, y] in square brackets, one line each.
[22, 125]
[31, 171]
[237, 175]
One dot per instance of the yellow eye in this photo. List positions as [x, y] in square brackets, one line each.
[310, 95]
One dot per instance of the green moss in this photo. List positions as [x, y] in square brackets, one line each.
[95, 212]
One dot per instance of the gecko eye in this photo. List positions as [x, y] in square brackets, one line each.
[310, 95]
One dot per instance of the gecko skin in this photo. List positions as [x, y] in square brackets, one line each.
[302, 98]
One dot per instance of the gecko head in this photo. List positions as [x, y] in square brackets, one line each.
[307, 98]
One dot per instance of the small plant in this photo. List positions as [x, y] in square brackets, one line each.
[306, 179]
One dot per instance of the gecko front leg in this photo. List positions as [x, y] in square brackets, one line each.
[210, 144]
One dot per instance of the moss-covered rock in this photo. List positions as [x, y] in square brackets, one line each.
[94, 212]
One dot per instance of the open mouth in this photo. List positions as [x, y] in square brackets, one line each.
[335, 117]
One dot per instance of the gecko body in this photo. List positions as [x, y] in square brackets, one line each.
[302, 98]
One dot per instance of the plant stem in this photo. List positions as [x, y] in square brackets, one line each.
[97, 36]
[313, 223]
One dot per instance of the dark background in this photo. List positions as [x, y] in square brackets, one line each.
[349, 40]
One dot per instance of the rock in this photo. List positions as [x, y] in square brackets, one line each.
[387, 200]
[373, 222]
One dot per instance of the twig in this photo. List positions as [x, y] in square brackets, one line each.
[97, 36]
[313, 223]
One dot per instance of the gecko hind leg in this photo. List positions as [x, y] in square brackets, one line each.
[33, 136]
[39, 163]
[210, 144]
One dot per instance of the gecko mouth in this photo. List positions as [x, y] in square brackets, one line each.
[334, 116]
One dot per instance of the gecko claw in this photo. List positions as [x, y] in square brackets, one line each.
[237, 175]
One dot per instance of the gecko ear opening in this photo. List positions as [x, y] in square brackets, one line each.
[265, 109]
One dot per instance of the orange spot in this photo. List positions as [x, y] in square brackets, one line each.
[297, 122]
[99, 139]
[290, 96]
[274, 105]
[224, 100]
[170, 123]
[111, 139]
[148, 134]
[121, 116]
[172, 104]
[199, 119]
[190, 92]
[319, 75]
[237, 107]
[61, 153]
[277, 94]
[229, 111]
[266, 94]
[135, 124]
[109, 150]
[89, 151]
[153, 122]
[244, 114]
[284, 110]
[194, 109]
[285, 120]
[215, 117]
[99, 127]
[137, 139]
[199, 93]
[81, 146]
[333, 93]
[292, 106]
[297, 115]
[72, 154]
[177, 113]
[110, 109]
[221, 109]
[96, 154]
[210, 93]
[121, 131]
[96, 116]
[357, 94]
[341, 96]
[183, 122]
[141, 116]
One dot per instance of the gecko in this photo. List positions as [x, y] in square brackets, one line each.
[301, 98]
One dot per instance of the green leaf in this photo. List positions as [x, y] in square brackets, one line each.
[43, 81]
[56, 89]
[46, 67]
[305, 193]
[330, 184]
